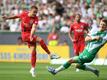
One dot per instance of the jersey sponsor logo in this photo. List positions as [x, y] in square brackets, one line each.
[78, 30]
[75, 27]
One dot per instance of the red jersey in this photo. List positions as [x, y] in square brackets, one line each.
[78, 30]
[27, 22]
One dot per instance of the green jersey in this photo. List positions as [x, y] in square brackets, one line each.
[94, 45]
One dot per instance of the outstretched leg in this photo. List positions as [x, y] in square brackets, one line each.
[69, 62]
[88, 68]
[44, 46]
[64, 66]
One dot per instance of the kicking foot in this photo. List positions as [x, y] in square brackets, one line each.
[51, 70]
[32, 73]
[96, 72]
[54, 56]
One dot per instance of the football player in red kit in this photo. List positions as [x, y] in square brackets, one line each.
[76, 34]
[29, 22]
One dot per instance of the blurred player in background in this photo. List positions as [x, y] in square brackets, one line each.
[95, 42]
[29, 22]
[76, 34]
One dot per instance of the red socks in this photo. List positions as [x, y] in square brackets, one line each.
[33, 58]
[43, 45]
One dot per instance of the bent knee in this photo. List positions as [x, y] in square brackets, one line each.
[39, 39]
[77, 66]
[33, 48]
[71, 61]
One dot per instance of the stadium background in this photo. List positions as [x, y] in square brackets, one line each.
[11, 51]
[54, 15]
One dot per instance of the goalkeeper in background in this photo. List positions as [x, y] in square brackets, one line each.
[95, 42]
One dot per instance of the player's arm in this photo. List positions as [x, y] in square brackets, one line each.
[70, 34]
[86, 28]
[34, 26]
[91, 38]
[10, 17]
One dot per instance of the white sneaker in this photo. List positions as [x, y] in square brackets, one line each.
[32, 71]
[77, 70]
[54, 56]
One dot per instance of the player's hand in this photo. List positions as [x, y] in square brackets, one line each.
[73, 40]
[31, 38]
[97, 38]
[4, 18]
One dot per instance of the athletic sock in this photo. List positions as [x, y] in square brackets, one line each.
[32, 69]
[43, 45]
[66, 65]
[86, 68]
[33, 58]
[59, 69]
[62, 67]
[82, 67]
[89, 68]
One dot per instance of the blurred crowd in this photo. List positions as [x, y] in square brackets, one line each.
[54, 14]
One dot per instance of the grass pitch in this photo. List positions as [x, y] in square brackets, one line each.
[20, 71]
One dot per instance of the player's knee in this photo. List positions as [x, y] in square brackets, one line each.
[33, 48]
[80, 66]
[71, 61]
[77, 66]
[76, 53]
[39, 39]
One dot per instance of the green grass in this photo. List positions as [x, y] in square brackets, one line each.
[20, 71]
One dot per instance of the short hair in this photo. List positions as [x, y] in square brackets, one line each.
[104, 20]
[78, 14]
[34, 7]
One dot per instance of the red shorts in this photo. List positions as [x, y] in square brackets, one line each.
[78, 47]
[26, 38]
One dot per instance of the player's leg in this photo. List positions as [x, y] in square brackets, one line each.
[86, 57]
[88, 68]
[76, 48]
[44, 46]
[82, 46]
[33, 60]
[64, 66]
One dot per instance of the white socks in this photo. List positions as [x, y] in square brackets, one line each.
[89, 68]
[59, 69]
[32, 68]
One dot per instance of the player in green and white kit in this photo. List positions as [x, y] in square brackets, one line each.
[94, 43]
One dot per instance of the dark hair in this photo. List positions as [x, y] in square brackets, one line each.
[78, 14]
[104, 20]
[34, 7]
